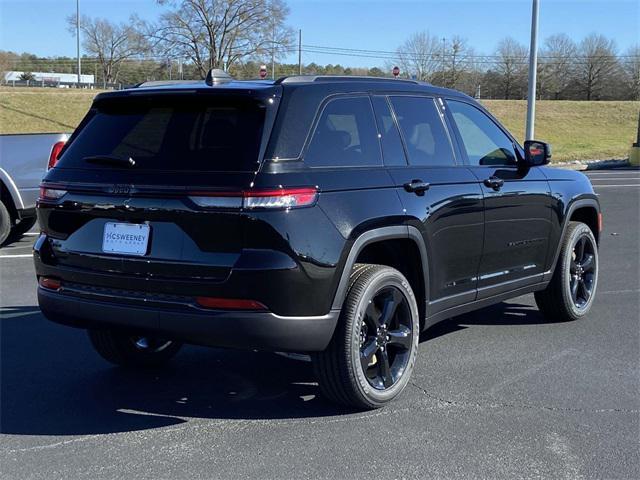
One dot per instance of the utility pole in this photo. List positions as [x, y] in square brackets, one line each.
[78, 38]
[444, 49]
[273, 50]
[300, 52]
[533, 71]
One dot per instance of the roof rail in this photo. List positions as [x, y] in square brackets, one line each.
[216, 76]
[161, 83]
[341, 78]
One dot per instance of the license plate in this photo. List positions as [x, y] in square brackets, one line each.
[125, 238]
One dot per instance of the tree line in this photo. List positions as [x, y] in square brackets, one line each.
[238, 36]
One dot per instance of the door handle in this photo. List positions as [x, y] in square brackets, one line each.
[416, 186]
[494, 182]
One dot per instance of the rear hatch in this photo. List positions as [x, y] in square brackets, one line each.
[131, 177]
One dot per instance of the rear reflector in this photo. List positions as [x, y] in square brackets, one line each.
[51, 193]
[229, 303]
[599, 222]
[50, 283]
[277, 198]
[55, 153]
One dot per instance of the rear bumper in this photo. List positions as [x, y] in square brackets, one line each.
[234, 329]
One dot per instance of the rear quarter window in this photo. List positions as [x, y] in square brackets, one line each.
[345, 135]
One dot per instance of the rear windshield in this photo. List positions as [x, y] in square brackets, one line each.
[171, 133]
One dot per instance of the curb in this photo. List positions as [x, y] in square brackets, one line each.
[592, 164]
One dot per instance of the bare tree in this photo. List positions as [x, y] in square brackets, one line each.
[557, 64]
[420, 56]
[596, 64]
[220, 33]
[511, 65]
[631, 68]
[110, 43]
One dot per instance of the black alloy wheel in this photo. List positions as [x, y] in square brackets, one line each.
[385, 338]
[583, 271]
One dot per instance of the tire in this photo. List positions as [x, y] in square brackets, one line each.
[351, 371]
[5, 223]
[570, 294]
[128, 350]
[23, 226]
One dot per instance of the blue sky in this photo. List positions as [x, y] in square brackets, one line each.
[39, 26]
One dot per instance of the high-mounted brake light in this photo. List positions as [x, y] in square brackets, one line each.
[55, 153]
[276, 198]
[51, 194]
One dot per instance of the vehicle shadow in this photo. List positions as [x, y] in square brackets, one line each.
[53, 383]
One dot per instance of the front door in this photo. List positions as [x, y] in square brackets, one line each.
[516, 202]
[439, 196]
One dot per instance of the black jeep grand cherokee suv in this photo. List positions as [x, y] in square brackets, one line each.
[328, 215]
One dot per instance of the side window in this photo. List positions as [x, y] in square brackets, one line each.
[484, 142]
[392, 149]
[345, 136]
[424, 133]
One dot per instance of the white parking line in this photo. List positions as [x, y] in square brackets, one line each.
[610, 186]
[20, 255]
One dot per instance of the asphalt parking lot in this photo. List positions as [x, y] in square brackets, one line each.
[499, 393]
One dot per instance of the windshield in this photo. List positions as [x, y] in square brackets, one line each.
[171, 133]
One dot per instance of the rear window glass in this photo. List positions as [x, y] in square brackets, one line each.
[424, 134]
[206, 134]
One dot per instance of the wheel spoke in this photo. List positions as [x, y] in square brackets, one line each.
[367, 352]
[579, 249]
[573, 267]
[385, 369]
[574, 289]
[401, 337]
[586, 290]
[588, 263]
[390, 306]
[373, 313]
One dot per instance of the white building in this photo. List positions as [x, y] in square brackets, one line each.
[51, 77]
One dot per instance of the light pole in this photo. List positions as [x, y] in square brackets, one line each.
[533, 72]
[78, 37]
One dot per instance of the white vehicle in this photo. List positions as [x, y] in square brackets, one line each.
[24, 160]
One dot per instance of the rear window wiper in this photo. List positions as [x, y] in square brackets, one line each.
[110, 160]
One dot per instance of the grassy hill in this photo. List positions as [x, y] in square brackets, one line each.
[577, 130]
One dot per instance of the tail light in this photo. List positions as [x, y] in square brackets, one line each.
[55, 153]
[51, 194]
[277, 198]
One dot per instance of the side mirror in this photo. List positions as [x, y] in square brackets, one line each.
[536, 153]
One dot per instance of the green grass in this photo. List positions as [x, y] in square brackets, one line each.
[576, 130]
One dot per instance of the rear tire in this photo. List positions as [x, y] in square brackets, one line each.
[569, 296]
[121, 348]
[372, 354]
[5, 223]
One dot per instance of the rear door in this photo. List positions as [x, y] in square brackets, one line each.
[517, 202]
[160, 162]
[440, 196]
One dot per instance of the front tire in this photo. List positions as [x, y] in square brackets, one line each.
[569, 296]
[372, 354]
[124, 349]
